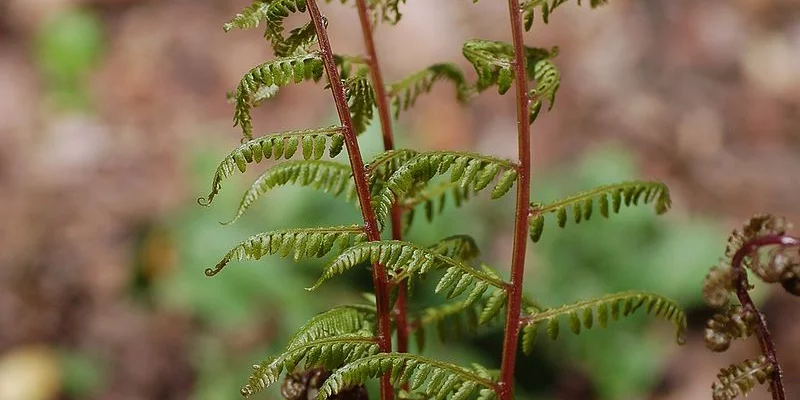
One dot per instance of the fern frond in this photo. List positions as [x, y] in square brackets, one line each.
[451, 321]
[434, 379]
[402, 259]
[250, 17]
[493, 62]
[430, 196]
[404, 93]
[380, 168]
[277, 73]
[741, 379]
[283, 144]
[387, 10]
[583, 314]
[719, 284]
[734, 323]
[360, 99]
[609, 198]
[337, 321]
[327, 176]
[546, 7]
[471, 170]
[348, 64]
[299, 41]
[458, 247]
[327, 352]
[301, 243]
[548, 80]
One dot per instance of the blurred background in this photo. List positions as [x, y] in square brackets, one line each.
[113, 118]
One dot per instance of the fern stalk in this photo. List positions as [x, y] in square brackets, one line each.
[505, 385]
[742, 286]
[379, 278]
[387, 132]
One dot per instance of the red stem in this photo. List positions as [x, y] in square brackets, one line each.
[742, 286]
[382, 100]
[379, 278]
[505, 386]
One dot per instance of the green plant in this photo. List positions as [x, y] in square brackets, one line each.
[780, 264]
[354, 343]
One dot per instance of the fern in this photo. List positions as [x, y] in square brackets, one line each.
[493, 62]
[546, 7]
[428, 197]
[734, 323]
[451, 320]
[327, 176]
[741, 379]
[278, 72]
[284, 144]
[584, 313]
[301, 243]
[299, 41]
[380, 168]
[548, 79]
[326, 352]
[610, 198]
[250, 17]
[360, 100]
[404, 94]
[434, 379]
[468, 169]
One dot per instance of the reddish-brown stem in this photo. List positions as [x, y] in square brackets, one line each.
[505, 386]
[379, 278]
[382, 102]
[742, 286]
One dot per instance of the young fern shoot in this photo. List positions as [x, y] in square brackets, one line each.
[341, 348]
[764, 248]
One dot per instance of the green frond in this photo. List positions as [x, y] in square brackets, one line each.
[403, 259]
[387, 10]
[584, 314]
[493, 62]
[349, 65]
[268, 76]
[283, 144]
[432, 378]
[741, 379]
[470, 170]
[299, 41]
[434, 200]
[458, 247]
[337, 321]
[360, 99]
[250, 17]
[609, 198]
[328, 352]
[327, 176]
[548, 80]
[403, 94]
[451, 321]
[546, 7]
[733, 323]
[301, 243]
[380, 168]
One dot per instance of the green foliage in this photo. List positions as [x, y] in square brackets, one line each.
[451, 321]
[610, 198]
[429, 196]
[301, 243]
[583, 314]
[360, 100]
[740, 379]
[431, 378]
[284, 144]
[546, 7]
[330, 339]
[327, 176]
[326, 352]
[470, 170]
[403, 94]
[261, 82]
[380, 168]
